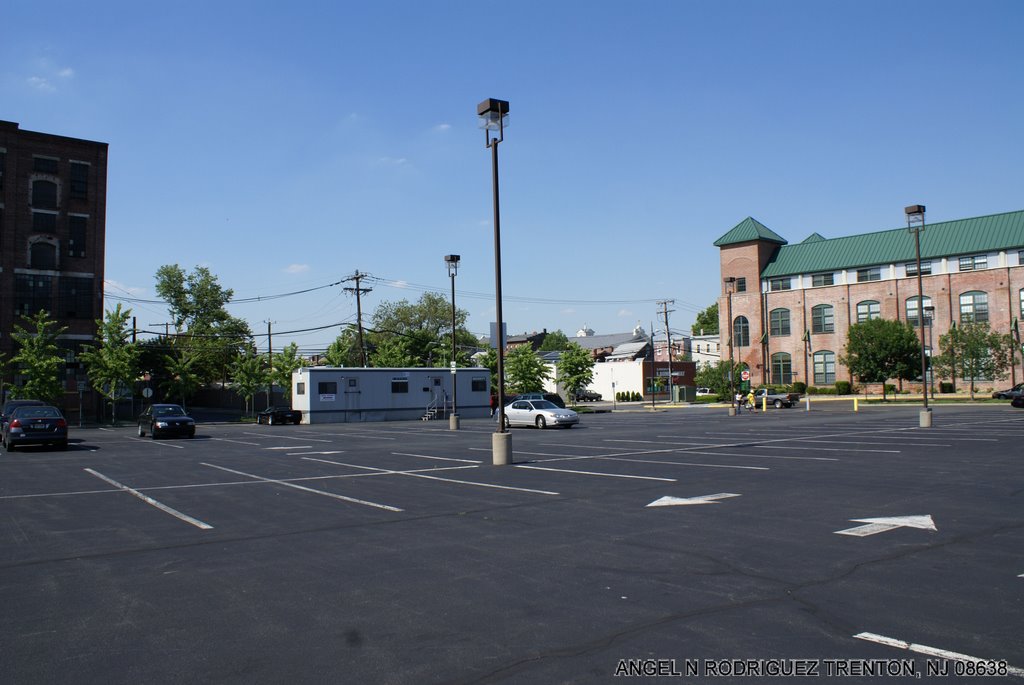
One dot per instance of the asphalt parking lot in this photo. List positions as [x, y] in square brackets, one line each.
[396, 553]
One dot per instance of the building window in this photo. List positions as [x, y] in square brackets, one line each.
[327, 388]
[44, 222]
[479, 384]
[44, 165]
[819, 280]
[300, 388]
[76, 297]
[824, 368]
[42, 256]
[867, 310]
[399, 385]
[44, 194]
[741, 285]
[3, 165]
[79, 187]
[974, 307]
[741, 332]
[782, 368]
[822, 319]
[780, 284]
[926, 268]
[1022, 303]
[974, 262]
[779, 322]
[32, 294]
[913, 312]
[872, 274]
[77, 229]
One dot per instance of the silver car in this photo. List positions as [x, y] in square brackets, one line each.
[539, 413]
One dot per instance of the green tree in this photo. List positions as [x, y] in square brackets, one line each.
[525, 371]
[112, 365]
[393, 352]
[880, 349]
[425, 330]
[707, 321]
[182, 381]
[344, 351]
[249, 375]
[554, 342]
[286, 362]
[973, 351]
[715, 377]
[489, 360]
[575, 369]
[38, 358]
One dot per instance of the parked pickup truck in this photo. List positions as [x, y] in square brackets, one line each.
[776, 399]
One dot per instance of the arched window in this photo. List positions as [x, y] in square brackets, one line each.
[822, 319]
[913, 311]
[824, 368]
[42, 256]
[974, 307]
[1022, 303]
[741, 332]
[867, 310]
[44, 194]
[782, 368]
[779, 322]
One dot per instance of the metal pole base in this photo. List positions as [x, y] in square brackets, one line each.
[732, 411]
[926, 418]
[501, 448]
[453, 422]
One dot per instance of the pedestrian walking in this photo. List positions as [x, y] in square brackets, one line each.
[751, 402]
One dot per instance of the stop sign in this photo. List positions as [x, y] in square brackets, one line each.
[745, 375]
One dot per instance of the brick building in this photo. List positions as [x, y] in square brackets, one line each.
[52, 225]
[789, 307]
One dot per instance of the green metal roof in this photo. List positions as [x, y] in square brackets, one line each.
[747, 230]
[813, 238]
[961, 237]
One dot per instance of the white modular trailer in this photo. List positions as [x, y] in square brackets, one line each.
[329, 394]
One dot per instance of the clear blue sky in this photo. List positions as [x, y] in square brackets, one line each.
[286, 145]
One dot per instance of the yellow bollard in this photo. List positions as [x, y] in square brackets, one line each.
[764, 403]
[855, 405]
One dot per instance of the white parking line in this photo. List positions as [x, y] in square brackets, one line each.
[687, 463]
[157, 442]
[932, 651]
[304, 488]
[237, 442]
[149, 500]
[593, 473]
[427, 456]
[290, 447]
[287, 437]
[447, 480]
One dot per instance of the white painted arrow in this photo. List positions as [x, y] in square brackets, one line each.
[881, 525]
[685, 501]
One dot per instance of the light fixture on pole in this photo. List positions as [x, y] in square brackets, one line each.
[493, 115]
[929, 319]
[452, 260]
[730, 285]
[915, 224]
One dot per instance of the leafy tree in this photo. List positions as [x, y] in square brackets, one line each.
[4, 364]
[38, 358]
[880, 349]
[393, 352]
[715, 377]
[249, 374]
[554, 342]
[489, 360]
[344, 351]
[286, 362]
[425, 327]
[112, 365]
[707, 321]
[575, 369]
[524, 370]
[974, 351]
[181, 381]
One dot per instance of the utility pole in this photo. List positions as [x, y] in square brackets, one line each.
[668, 337]
[135, 328]
[359, 308]
[270, 363]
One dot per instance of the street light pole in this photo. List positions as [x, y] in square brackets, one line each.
[494, 117]
[930, 319]
[730, 283]
[452, 260]
[915, 224]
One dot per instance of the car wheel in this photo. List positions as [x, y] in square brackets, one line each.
[142, 431]
[508, 424]
[152, 433]
[541, 423]
[778, 404]
[270, 420]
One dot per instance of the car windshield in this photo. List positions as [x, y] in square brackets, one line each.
[36, 413]
[172, 410]
[543, 404]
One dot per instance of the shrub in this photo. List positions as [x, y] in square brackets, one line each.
[799, 386]
[843, 387]
[945, 386]
[637, 397]
[890, 389]
[812, 390]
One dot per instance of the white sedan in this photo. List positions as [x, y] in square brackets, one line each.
[539, 413]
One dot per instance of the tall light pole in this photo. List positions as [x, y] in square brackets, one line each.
[452, 260]
[929, 318]
[494, 117]
[730, 284]
[915, 224]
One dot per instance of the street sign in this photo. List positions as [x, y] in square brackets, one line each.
[147, 392]
[745, 375]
